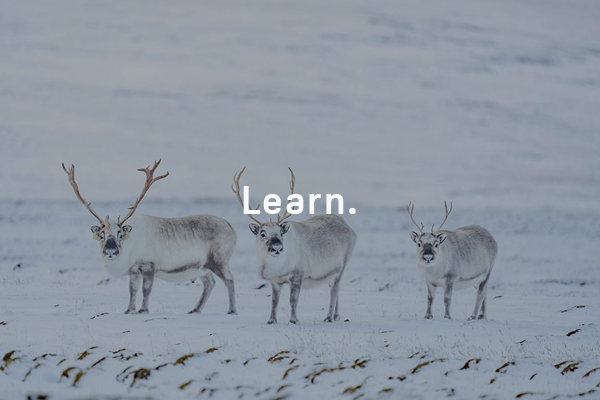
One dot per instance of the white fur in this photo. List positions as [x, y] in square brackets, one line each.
[461, 258]
[314, 251]
[174, 250]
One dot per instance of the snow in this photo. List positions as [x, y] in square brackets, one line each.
[492, 105]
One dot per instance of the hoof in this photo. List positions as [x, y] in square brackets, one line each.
[142, 311]
[428, 317]
[129, 311]
[294, 321]
[448, 317]
[232, 312]
[482, 317]
[271, 321]
[327, 319]
[336, 318]
[194, 311]
[472, 318]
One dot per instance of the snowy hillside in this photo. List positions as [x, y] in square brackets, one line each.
[492, 105]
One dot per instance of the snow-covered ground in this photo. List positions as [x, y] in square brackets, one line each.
[492, 105]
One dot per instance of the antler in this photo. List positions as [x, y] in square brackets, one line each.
[448, 211]
[286, 215]
[87, 204]
[411, 208]
[149, 181]
[235, 187]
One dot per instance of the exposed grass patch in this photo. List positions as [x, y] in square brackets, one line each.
[468, 363]
[30, 371]
[138, 374]
[185, 384]
[8, 359]
[97, 362]
[591, 371]
[570, 368]
[287, 371]
[279, 356]
[43, 356]
[424, 364]
[502, 369]
[358, 363]
[182, 359]
[86, 353]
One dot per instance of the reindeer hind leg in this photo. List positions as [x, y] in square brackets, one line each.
[221, 269]
[209, 282]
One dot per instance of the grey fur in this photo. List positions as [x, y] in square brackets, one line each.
[455, 259]
[300, 253]
[172, 249]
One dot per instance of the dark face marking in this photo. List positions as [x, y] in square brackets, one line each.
[184, 268]
[427, 247]
[271, 236]
[275, 246]
[111, 239]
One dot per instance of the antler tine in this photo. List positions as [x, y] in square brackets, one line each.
[150, 179]
[448, 211]
[411, 208]
[286, 215]
[87, 204]
[150, 171]
[235, 187]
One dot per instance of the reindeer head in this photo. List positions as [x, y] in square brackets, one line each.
[111, 236]
[428, 244]
[269, 235]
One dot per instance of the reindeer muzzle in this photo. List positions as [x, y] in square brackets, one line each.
[275, 247]
[111, 249]
[428, 253]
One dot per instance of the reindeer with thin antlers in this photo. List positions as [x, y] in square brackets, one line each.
[455, 259]
[314, 251]
[172, 249]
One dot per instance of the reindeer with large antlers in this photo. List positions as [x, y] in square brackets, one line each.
[455, 259]
[172, 249]
[314, 251]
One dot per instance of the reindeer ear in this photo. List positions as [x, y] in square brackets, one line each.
[254, 228]
[126, 229]
[414, 236]
[441, 237]
[96, 232]
[285, 226]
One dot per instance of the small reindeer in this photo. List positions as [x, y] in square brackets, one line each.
[455, 259]
[313, 251]
[172, 249]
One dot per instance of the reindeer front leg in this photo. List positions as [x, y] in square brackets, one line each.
[296, 283]
[430, 297]
[448, 297]
[135, 276]
[274, 302]
[147, 271]
[333, 314]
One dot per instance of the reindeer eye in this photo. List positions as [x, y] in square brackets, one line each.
[262, 234]
[419, 244]
[436, 245]
[102, 235]
[120, 234]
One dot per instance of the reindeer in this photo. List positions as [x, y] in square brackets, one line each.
[313, 251]
[455, 259]
[172, 249]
